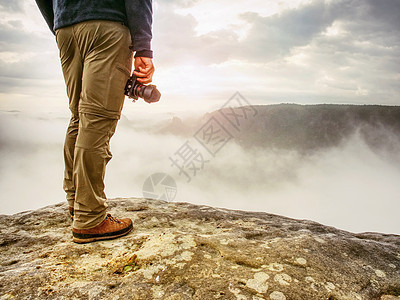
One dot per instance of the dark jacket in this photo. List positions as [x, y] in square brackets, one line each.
[136, 14]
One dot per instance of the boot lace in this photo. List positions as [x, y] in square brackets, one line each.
[113, 219]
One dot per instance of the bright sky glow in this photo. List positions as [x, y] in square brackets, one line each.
[307, 51]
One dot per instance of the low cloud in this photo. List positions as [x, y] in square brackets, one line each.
[349, 186]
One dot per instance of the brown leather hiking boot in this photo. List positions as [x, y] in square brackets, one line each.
[110, 228]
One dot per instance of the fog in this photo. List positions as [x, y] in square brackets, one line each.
[350, 186]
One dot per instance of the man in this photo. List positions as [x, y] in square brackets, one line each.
[96, 39]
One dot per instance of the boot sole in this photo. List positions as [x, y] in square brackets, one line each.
[88, 238]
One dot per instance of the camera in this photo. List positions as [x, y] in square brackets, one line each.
[134, 90]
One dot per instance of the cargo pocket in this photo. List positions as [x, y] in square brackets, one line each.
[123, 69]
[118, 79]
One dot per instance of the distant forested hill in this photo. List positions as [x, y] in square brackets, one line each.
[302, 127]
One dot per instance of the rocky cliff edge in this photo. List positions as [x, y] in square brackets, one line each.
[186, 251]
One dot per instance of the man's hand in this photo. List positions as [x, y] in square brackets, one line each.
[146, 69]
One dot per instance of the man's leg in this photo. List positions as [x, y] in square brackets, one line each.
[72, 66]
[69, 148]
[107, 61]
[91, 155]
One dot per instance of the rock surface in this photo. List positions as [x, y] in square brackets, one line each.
[185, 251]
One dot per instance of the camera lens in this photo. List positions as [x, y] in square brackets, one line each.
[149, 93]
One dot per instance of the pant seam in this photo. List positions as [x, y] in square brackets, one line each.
[74, 38]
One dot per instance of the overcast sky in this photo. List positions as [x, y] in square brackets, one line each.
[301, 51]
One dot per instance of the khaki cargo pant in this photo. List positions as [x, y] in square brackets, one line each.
[96, 63]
